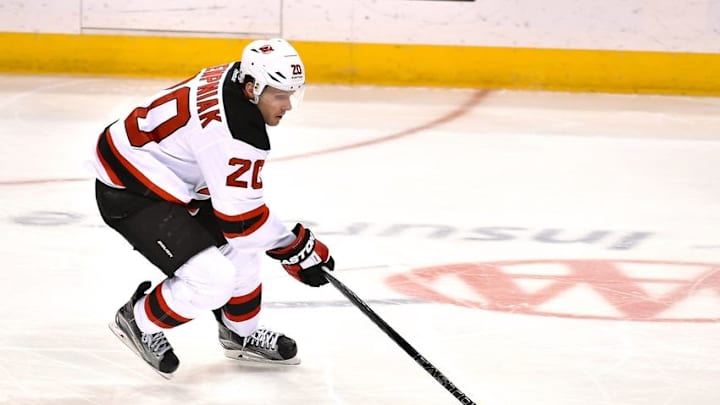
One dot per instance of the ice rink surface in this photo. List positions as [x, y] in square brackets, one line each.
[538, 248]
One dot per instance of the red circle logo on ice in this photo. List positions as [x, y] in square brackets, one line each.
[638, 290]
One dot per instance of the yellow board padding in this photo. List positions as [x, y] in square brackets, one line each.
[379, 64]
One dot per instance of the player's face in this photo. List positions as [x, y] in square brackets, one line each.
[273, 104]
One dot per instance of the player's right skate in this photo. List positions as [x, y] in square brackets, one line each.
[263, 346]
[153, 348]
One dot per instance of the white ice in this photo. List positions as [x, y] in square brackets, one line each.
[588, 225]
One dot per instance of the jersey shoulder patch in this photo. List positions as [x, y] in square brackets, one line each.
[245, 121]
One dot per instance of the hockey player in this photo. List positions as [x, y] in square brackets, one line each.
[179, 177]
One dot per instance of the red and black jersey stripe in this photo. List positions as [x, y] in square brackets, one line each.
[123, 173]
[244, 307]
[234, 226]
[159, 312]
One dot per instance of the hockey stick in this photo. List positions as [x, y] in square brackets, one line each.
[419, 359]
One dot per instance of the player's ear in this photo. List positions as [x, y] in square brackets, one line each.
[248, 89]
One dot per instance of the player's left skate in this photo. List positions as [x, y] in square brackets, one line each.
[263, 346]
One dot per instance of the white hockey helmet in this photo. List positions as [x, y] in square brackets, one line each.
[272, 62]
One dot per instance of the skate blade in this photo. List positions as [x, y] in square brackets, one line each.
[254, 358]
[128, 342]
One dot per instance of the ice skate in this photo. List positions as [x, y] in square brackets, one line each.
[153, 348]
[263, 346]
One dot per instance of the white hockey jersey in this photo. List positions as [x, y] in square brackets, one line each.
[198, 139]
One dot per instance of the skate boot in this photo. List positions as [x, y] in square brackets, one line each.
[263, 346]
[153, 348]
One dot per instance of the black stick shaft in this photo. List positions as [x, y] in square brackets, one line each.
[422, 361]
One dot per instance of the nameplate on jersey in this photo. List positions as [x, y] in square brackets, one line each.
[207, 95]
